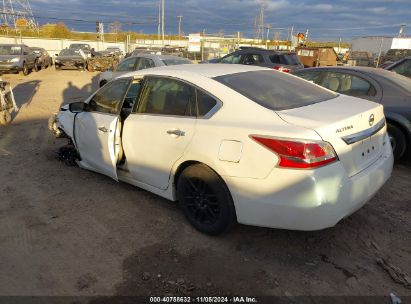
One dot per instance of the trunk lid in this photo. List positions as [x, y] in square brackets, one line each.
[354, 127]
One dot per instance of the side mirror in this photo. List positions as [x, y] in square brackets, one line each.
[77, 107]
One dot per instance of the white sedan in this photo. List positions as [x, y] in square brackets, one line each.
[234, 144]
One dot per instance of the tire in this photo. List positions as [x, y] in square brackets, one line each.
[5, 118]
[205, 200]
[25, 70]
[398, 141]
[35, 67]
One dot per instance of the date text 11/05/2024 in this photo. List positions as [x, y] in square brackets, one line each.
[234, 299]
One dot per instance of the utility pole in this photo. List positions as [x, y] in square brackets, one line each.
[291, 37]
[179, 26]
[159, 20]
[268, 32]
[162, 20]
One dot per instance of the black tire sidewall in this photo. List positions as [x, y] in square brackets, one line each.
[227, 216]
[401, 142]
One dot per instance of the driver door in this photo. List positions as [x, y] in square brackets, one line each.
[97, 129]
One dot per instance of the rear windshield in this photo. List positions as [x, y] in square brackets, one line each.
[399, 80]
[175, 61]
[275, 90]
[286, 59]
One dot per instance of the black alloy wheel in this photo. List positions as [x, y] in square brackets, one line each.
[205, 200]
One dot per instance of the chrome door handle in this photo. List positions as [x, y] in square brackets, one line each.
[103, 129]
[176, 132]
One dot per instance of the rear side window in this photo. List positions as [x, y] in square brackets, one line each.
[348, 84]
[286, 59]
[205, 103]
[275, 90]
[166, 96]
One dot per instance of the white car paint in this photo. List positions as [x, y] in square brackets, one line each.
[263, 193]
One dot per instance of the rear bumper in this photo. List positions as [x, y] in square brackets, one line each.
[307, 199]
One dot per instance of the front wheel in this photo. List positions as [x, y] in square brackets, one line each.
[398, 141]
[205, 200]
[25, 69]
[36, 67]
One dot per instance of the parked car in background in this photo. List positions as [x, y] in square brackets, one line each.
[234, 144]
[16, 58]
[394, 55]
[43, 58]
[391, 90]
[70, 59]
[86, 48]
[402, 67]
[113, 50]
[282, 61]
[140, 62]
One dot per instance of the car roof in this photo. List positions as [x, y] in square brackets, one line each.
[205, 70]
[364, 70]
[154, 56]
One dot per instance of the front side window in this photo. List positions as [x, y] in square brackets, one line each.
[254, 59]
[145, 63]
[275, 90]
[348, 84]
[233, 59]
[127, 65]
[109, 98]
[167, 96]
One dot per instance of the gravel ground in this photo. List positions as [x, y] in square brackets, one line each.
[67, 231]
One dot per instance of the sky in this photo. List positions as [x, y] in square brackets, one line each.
[325, 20]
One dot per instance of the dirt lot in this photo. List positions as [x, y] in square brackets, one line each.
[67, 231]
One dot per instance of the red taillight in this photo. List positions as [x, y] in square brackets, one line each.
[282, 69]
[299, 154]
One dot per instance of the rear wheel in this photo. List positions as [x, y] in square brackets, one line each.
[36, 67]
[205, 200]
[398, 141]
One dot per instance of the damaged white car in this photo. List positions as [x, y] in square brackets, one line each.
[233, 144]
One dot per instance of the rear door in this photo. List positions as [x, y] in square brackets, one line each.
[157, 134]
[97, 129]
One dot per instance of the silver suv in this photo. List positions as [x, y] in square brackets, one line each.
[17, 58]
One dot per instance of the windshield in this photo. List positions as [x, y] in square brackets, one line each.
[69, 52]
[175, 61]
[10, 50]
[275, 90]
